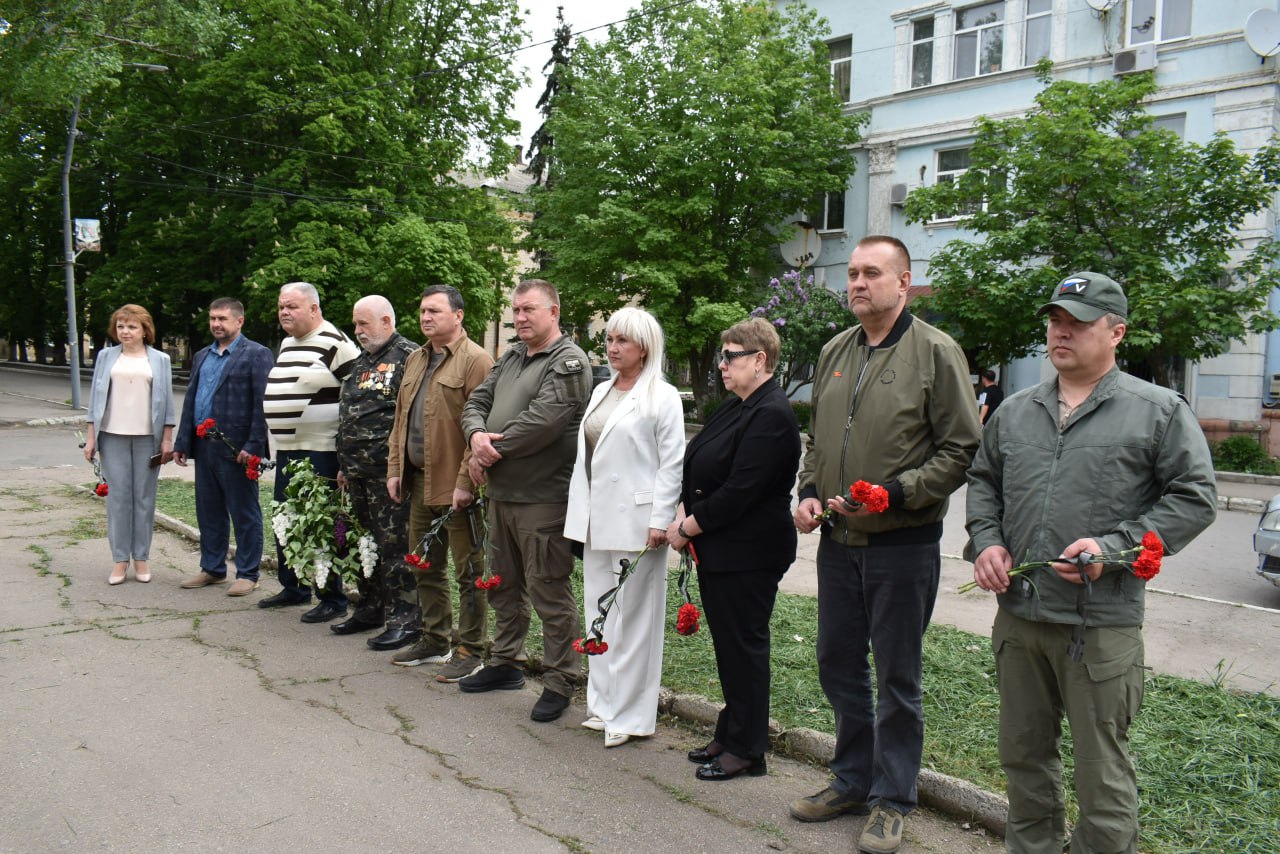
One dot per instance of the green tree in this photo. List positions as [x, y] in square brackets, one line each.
[1085, 182]
[806, 318]
[314, 139]
[541, 143]
[681, 141]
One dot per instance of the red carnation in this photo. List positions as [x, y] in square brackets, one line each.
[413, 559]
[590, 646]
[687, 619]
[488, 583]
[1147, 566]
[872, 496]
[101, 489]
[252, 474]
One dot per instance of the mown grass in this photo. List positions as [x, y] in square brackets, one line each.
[1208, 759]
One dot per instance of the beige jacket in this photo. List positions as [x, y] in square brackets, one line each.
[465, 366]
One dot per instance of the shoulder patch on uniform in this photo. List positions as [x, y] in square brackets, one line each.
[573, 365]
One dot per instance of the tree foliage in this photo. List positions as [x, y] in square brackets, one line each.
[322, 140]
[807, 317]
[1085, 182]
[681, 142]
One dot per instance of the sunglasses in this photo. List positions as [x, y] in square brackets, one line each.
[727, 356]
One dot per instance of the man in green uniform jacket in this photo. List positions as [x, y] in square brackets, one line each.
[521, 424]
[1079, 467]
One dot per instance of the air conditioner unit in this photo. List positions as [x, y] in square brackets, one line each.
[1275, 385]
[1133, 60]
[898, 195]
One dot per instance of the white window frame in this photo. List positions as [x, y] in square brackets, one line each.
[1030, 17]
[843, 65]
[978, 31]
[1156, 24]
[913, 43]
[941, 175]
[822, 218]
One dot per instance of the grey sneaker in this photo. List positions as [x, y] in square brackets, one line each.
[883, 833]
[422, 652]
[460, 665]
[826, 805]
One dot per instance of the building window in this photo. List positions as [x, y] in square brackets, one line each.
[827, 211]
[1176, 122]
[952, 163]
[921, 52]
[1158, 20]
[840, 53]
[1039, 33]
[979, 41]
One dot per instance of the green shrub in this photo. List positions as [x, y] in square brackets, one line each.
[804, 412]
[1243, 454]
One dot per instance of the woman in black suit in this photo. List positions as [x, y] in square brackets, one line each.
[736, 511]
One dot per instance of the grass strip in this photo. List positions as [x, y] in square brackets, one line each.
[1208, 758]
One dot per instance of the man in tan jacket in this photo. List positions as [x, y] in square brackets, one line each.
[427, 465]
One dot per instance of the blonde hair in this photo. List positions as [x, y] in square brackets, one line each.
[640, 326]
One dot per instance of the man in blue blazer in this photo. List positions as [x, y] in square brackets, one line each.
[228, 381]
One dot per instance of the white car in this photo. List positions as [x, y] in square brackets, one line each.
[1266, 542]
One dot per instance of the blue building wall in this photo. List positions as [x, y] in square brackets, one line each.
[1210, 81]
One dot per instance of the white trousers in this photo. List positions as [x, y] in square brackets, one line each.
[623, 683]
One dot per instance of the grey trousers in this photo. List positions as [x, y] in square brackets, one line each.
[131, 494]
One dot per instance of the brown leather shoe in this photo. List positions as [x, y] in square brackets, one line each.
[204, 579]
[242, 587]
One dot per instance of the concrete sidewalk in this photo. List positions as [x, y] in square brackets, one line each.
[151, 718]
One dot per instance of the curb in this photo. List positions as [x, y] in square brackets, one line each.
[941, 792]
[950, 795]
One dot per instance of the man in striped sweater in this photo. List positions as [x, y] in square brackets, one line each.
[301, 406]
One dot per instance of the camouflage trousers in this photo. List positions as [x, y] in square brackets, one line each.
[389, 595]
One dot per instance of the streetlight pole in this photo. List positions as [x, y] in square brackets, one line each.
[69, 260]
[68, 240]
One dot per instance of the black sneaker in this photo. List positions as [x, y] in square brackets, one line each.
[549, 706]
[502, 677]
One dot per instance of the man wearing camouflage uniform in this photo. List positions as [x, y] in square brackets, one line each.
[365, 415]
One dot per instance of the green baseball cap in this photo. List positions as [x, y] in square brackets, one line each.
[1088, 296]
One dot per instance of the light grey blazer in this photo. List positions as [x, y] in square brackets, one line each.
[162, 410]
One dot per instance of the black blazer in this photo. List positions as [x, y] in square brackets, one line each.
[738, 475]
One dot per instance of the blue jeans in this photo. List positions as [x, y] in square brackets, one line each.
[875, 599]
[222, 491]
[326, 465]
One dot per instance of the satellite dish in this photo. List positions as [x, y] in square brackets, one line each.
[1262, 32]
[1100, 5]
[803, 248]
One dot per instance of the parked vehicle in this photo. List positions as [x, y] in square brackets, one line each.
[1266, 542]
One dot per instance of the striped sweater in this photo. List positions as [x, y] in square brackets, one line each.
[301, 404]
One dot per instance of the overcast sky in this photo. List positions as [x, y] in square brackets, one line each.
[540, 20]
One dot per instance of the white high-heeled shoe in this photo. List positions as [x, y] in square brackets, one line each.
[615, 739]
[594, 723]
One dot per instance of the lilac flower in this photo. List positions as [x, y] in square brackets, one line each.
[781, 321]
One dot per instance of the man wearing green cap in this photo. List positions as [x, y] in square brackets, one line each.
[1078, 467]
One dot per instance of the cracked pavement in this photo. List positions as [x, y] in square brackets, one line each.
[144, 717]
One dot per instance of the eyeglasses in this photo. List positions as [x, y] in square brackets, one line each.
[727, 356]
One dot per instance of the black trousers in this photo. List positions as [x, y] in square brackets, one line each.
[738, 606]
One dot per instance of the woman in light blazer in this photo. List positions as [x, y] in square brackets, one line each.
[130, 423]
[622, 496]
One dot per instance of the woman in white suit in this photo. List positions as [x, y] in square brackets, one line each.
[130, 422]
[623, 494]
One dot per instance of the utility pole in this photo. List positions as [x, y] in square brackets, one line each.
[68, 239]
[69, 260]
